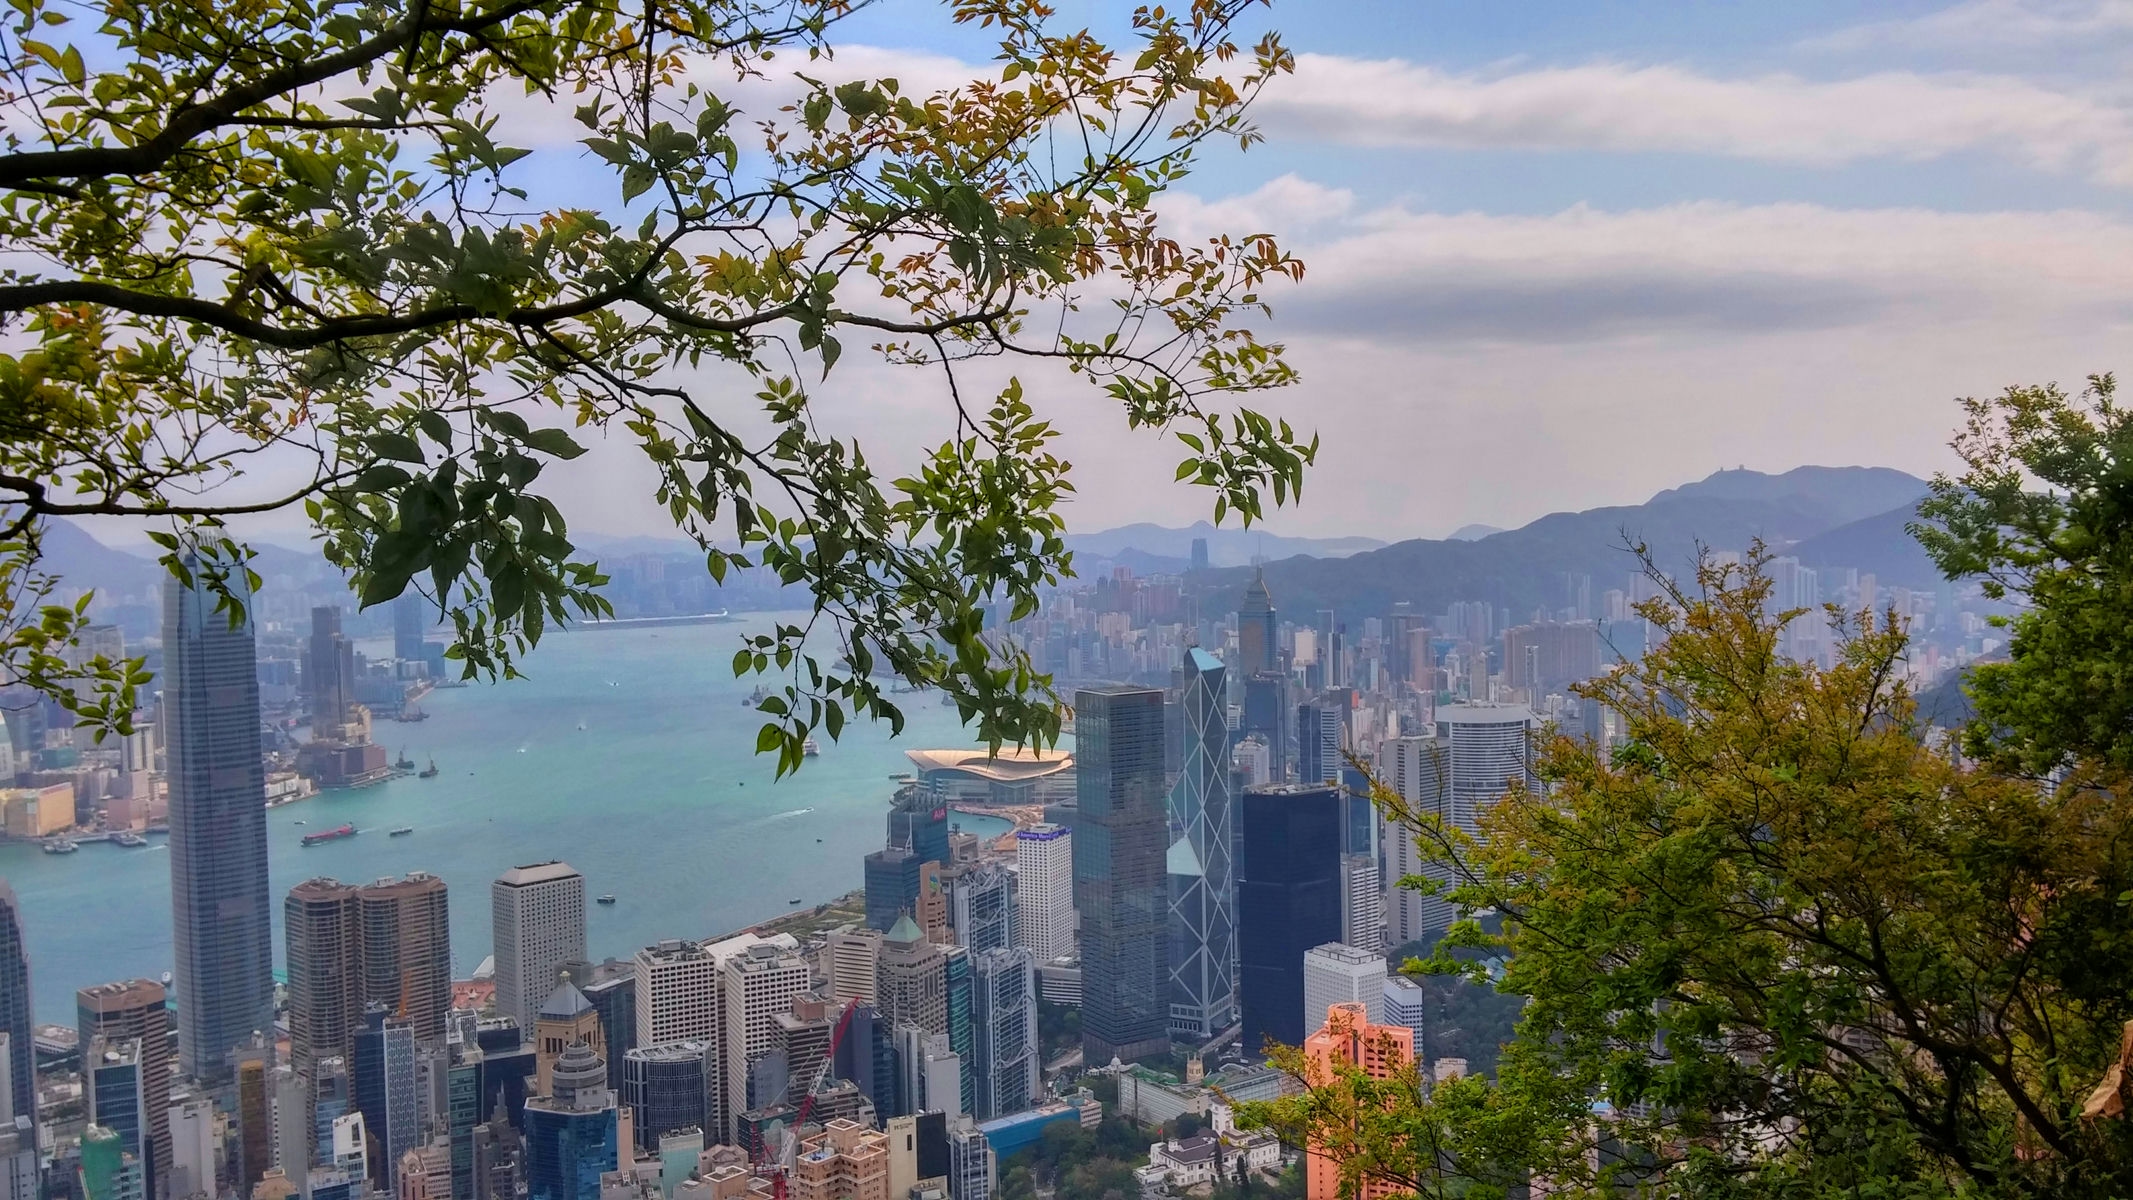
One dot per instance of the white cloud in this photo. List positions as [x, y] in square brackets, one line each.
[1618, 107]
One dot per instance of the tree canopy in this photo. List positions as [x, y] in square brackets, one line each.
[282, 253]
[2064, 696]
[1778, 942]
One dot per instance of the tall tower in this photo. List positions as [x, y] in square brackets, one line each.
[759, 985]
[405, 932]
[1288, 900]
[852, 961]
[223, 935]
[325, 992]
[15, 1010]
[1349, 1037]
[134, 1010]
[1004, 1033]
[1478, 751]
[1256, 629]
[329, 673]
[1341, 974]
[572, 1135]
[1203, 901]
[1121, 885]
[537, 917]
[1044, 890]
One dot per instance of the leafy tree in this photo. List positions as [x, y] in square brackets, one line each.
[280, 254]
[2065, 694]
[1778, 944]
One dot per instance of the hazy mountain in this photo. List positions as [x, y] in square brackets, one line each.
[1523, 569]
[1882, 539]
[1473, 533]
[1228, 547]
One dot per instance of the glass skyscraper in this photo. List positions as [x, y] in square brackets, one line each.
[571, 1133]
[15, 1008]
[1121, 884]
[1288, 900]
[1203, 900]
[223, 936]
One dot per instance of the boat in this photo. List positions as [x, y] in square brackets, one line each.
[607, 899]
[299, 822]
[794, 900]
[428, 772]
[403, 763]
[329, 835]
[810, 748]
[60, 845]
[127, 837]
[402, 831]
[757, 696]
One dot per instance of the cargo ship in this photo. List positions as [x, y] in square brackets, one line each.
[329, 835]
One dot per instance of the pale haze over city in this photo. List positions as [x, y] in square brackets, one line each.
[1002, 600]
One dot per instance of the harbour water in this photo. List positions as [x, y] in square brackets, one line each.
[627, 753]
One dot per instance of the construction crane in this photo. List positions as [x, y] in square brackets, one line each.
[788, 1146]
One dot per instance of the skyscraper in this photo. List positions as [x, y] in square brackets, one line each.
[1407, 1005]
[325, 991]
[566, 1019]
[114, 1082]
[1318, 741]
[956, 975]
[1005, 1049]
[760, 983]
[678, 994]
[386, 1092]
[1256, 629]
[15, 1023]
[1381, 1052]
[538, 920]
[134, 1011]
[1339, 974]
[1121, 886]
[1203, 897]
[852, 960]
[411, 619]
[663, 1087]
[1288, 900]
[918, 822]
[571, 1135]
[222, 936]
[329, 673]
[1477, 752]
[914, 980]
[982, 907]
[1362, 901]
[1266, 709]
[405, 933]
[892, 880]
[1044, 890]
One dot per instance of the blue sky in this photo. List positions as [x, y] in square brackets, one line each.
[1563, 255]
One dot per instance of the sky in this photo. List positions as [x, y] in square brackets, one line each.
[1562, 255]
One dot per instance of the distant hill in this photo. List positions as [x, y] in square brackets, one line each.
[1523, 569]
[1229, 547]
[1884, 540]
[1473, 533]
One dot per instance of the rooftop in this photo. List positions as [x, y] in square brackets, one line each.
[1010, 765]
[547, 872]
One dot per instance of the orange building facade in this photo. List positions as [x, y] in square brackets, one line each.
[1382, 1052]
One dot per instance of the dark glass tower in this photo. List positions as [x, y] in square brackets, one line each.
[15, 1007]
[1203, 915]
[223, 935]
[1288, 900]
[1256, 627]
[1121, 885]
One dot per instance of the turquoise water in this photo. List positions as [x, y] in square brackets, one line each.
[659, 798]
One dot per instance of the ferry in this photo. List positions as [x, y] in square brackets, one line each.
[607, 899]
[60, 845]
[329, 835]
[402, 831]
[127, 837]
[428, 772]
[811, 748]
[794, 900]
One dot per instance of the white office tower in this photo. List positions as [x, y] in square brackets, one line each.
[1362, 903]
[852, 963]
[973, 1169]
[677, 994]
[192, 1146]
[1406, 1005]
[1253, 760]
[1044, 890]
[1006, 1055]
[538, 919]
[1477, 752]
[760, 984]
[1338, 974]
[932, 1073]
[18, 1135]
